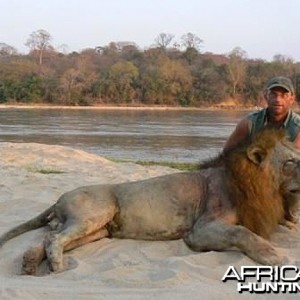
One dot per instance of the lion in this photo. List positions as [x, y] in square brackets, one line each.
[236, 200]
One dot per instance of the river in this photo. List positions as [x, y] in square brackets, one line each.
[150, 135]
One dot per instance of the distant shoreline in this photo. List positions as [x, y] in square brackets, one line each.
[110, 107]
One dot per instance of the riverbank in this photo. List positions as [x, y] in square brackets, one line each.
[109, 107]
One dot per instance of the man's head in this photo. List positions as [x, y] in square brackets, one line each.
[282, 82]
[280, 95]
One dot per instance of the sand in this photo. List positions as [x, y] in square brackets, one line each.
[109, 268]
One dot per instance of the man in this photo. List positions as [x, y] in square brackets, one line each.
[280, 96]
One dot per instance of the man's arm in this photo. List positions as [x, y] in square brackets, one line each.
[297, 141]
[240, 132]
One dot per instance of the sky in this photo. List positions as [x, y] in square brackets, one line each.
[262, 28]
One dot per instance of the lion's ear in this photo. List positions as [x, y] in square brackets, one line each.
[256, 154]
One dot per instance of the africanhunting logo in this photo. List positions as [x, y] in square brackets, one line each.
[265, 279]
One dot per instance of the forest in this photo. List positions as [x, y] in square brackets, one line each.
[173, 73]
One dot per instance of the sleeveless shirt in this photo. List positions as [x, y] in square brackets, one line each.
[258, 120]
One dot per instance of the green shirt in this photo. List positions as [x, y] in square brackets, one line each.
[258, 120]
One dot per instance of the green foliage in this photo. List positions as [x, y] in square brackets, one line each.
[191, 54]
[44, 170]
[122, 74]
[173, 165]
[3, 97]
[120, 81]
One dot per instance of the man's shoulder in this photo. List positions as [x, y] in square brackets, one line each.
[295, 118]
[256, 114]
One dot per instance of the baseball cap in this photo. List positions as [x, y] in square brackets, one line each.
[281, 81]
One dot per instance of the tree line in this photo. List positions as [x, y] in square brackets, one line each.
[167, 73]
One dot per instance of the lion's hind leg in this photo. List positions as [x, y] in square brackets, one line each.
[220, 236]
[75, 232]
[32, 259]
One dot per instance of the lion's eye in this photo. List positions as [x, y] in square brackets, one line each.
[289, 166]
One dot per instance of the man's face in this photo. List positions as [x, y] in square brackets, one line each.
[279, 100]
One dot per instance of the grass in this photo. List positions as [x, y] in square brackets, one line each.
[174, 165]
[44, 170]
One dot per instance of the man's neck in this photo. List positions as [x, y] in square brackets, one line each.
[276, 119]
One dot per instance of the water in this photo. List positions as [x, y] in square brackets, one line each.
[178, 136]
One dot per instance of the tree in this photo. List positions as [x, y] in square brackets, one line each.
[191, 40]
[237, 68]
[152, 85]
[285, 64]
[209, 82]
[191, 54]
[178, 82]
[39, 41]
[163, 40]
[121, 78]
[71, 85]
[7, 50]
[191, 43]
[19, 81]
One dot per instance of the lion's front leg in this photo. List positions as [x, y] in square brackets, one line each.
[291, 209]
[220, 236]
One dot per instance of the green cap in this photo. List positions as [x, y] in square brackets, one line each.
[281, 81]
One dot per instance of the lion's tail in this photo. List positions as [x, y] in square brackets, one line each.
[41, 220]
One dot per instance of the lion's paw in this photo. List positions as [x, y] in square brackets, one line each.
[265, 254]
[290, 225]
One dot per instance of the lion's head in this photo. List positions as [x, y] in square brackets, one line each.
[261, 174]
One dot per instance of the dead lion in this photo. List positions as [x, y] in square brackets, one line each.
[234, 201]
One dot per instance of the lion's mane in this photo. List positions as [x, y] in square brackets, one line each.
[253, 188]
